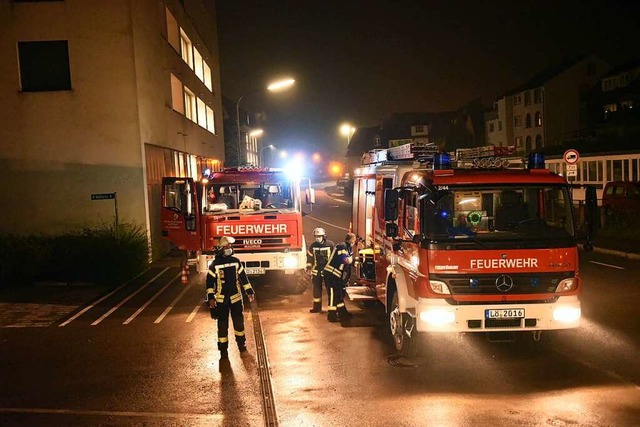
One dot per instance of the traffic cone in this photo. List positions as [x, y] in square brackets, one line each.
[184, 277]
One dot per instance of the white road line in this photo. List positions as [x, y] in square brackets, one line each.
[193, 313]
[173, 303]
[146, 304]
[84, 310]
[607, 265]
[336, 199]
[212, 417]
[108, 313]
[326, 223]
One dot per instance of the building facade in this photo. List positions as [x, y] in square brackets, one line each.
[104, 96]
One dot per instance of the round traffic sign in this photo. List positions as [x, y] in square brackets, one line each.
[571, 157]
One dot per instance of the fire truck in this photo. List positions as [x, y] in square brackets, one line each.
[454, 243]
[260, 207]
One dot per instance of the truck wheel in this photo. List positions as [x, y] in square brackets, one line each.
[403, 330]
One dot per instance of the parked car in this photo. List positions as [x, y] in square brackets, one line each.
[621, 195]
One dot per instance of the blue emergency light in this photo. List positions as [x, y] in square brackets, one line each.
[535, 161]
[441, 161]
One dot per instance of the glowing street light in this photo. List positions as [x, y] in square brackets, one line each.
[347, 130]
[270, 146]
[276, 86]
[316, 157]
[256, 133]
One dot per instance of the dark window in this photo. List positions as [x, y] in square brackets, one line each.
[44, 66]
[527, 120]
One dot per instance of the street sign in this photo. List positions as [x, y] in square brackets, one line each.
[572, 173]
[571, 156]
[103, 196]
[572, 167]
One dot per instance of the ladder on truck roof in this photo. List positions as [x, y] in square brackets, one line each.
[413, 151]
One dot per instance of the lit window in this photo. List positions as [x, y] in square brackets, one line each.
[44, 66]
[211, 124]
[190, 105]
[207, 76]
[202, 113]
[186, 49]
[538, 119]
[177, 99]
[197, 64]
[173, 34]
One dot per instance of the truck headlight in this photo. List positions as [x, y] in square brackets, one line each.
[290, 262]
[439, 287]
[567, 314]
[437, 316]
[567, 285]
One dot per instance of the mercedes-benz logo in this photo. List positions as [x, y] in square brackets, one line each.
[504, 283]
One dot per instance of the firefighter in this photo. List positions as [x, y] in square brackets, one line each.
[226, 280]
[317, 257]
[336, 275]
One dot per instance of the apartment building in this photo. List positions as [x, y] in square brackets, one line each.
[546, 110]
[103, 97]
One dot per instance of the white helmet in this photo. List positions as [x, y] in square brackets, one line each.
[226, 240]
[319, 231]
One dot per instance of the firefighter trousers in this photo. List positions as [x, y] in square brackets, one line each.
[336, 294]
[237, 316]
[316, 281]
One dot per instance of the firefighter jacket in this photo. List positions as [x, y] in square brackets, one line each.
[340, 262]
[318, 256]
[225, 280]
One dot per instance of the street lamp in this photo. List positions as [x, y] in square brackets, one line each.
[273, 87]
[347, 130]
[271, 146]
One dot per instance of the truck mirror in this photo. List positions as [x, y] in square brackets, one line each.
[310, 195]
[390, 205]
[391, 229]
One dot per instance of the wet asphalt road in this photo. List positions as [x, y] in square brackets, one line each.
[145, 355]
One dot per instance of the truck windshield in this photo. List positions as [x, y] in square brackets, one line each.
[531, 214]
[250, 196]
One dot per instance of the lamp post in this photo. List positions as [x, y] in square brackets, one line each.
[271, 146]
[273, 87]
[347, 130]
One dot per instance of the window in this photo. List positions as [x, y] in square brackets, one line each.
[517, 99]
[491, 127]
[527, 120]
[517, 120]
[527, 98]
[186, 49]
[528, 144]
[202, 113]
[177, 99]
[537, 96]
[211, 124]
[607, 84]
[44, 66]
[538, 142]
[376, 141]
[173, 33]
[538, 119]
[190, 105]
[197, 64]
[207, 76]
[518, 142]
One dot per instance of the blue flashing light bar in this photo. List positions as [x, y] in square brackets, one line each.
[535, 161]
[441, 161]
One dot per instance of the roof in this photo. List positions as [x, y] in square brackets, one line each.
[544, 76]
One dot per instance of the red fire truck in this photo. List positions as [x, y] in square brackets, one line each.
[260, 207]
[465, 246]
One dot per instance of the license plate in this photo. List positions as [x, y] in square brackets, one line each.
[253, 271]
[504, 313]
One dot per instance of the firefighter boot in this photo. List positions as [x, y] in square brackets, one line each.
[332, 316]
[317, 307]
[224, 355]
[242, 348]
[344, 315]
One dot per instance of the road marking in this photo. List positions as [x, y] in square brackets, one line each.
[193, 313]
[146, 304]
[214, 417]
[108, 313]
[607, 265]
[89, 307]
[173, 303]
[326, 223]
[336, 199]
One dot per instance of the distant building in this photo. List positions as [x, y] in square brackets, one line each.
[546, 110]
[104, 97]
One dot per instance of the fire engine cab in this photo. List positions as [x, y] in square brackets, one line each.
[455, 243]
[260, 207]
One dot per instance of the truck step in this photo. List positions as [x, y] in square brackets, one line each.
[361, 293]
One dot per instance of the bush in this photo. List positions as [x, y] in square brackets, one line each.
[98, 255]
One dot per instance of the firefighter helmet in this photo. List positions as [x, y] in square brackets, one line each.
[226, 240]
[319, 231]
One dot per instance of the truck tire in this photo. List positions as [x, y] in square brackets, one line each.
[403, 330]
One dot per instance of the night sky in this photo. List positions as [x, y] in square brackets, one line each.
[360, 61]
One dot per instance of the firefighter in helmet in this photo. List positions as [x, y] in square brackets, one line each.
[336, 274]
[317, 257]
[226, 279]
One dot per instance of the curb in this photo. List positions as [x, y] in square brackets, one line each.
[622, 254]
